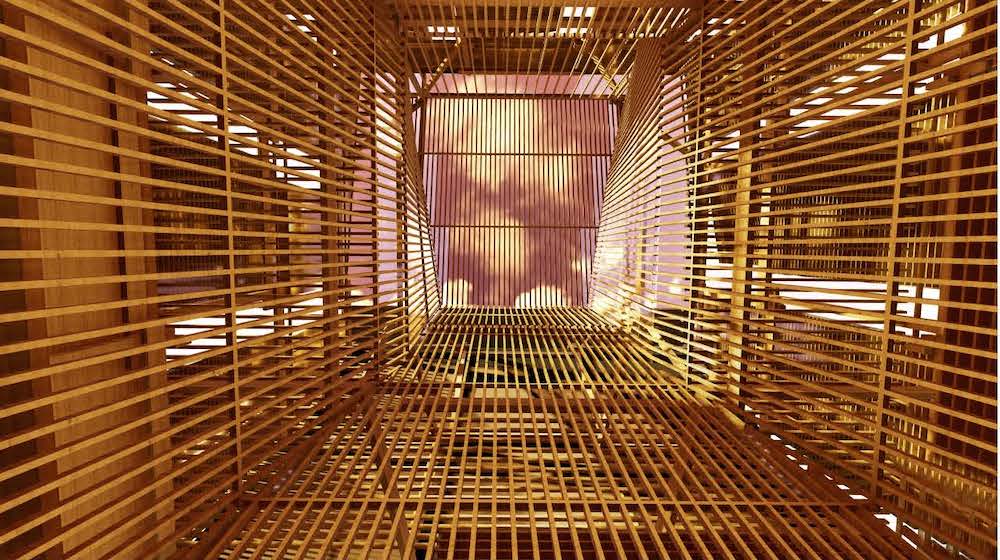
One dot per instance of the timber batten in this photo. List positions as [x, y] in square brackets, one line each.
[505, 279]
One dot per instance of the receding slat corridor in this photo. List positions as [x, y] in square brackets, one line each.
[504, 279]
[532, 433]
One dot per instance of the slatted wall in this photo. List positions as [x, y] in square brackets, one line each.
[641, 264]
[212, 237]
[514, 187]
[835, 165]
[217, 274]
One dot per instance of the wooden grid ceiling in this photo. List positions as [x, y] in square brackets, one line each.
[505, 39]
[222, 330]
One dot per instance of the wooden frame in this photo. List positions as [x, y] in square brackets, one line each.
[222, 331]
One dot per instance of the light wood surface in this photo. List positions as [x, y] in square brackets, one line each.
[226, 329]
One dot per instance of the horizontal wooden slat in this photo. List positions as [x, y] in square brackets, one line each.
[499, 279]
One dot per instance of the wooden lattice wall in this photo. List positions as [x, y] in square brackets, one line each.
[222, 333]
[832, 168]
[211, 240]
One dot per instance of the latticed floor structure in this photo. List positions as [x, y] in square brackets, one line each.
[506, 279]
[545, 433]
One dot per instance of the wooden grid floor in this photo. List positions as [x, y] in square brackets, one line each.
[545, 434]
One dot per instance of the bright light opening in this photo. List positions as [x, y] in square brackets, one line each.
[577, 11]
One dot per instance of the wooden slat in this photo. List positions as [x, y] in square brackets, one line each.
[546, 433]
[731, 271]
[814, 184]
[211, 199]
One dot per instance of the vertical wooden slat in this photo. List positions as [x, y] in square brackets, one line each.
[817, 141]
[204, 177]
[693, 279]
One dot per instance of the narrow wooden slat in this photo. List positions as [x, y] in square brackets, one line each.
[505, 279]
[778, 223]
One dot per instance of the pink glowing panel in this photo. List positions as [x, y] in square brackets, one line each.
[514, 187]
[522, 84]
